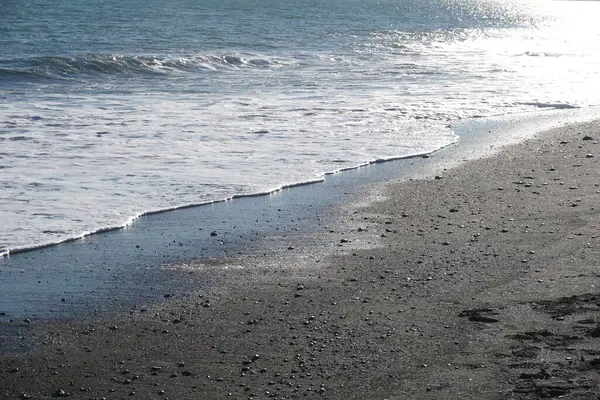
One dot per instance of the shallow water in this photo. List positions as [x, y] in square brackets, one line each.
[109, 110]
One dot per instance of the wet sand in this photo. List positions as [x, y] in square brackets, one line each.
[480, 282]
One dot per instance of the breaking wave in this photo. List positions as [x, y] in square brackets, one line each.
[65, 67]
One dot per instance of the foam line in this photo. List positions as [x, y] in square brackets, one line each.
[4, 252]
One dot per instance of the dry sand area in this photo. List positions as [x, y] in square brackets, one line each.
[480, 283]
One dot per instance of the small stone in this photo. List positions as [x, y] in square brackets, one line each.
[60, 393]
[586, 137]
[213, 233]
[589, 156]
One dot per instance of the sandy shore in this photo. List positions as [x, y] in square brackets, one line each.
[479, 283]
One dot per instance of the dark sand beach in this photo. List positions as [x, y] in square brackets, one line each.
[480, 282]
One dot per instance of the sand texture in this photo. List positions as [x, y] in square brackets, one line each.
[479, 283]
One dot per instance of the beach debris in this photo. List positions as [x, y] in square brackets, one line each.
[541, 374]
[478, 315]
[526, 352]
[595, 332]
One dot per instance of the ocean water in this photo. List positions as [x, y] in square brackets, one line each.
[111, 109]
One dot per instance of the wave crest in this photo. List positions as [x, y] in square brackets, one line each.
[64, 67]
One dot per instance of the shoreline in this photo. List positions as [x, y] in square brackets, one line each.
[5, 252]
[116, 268]
[451, 287]
[548, 118]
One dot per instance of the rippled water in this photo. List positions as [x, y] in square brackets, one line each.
[109, 109]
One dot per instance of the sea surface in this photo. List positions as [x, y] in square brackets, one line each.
[111, 109]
